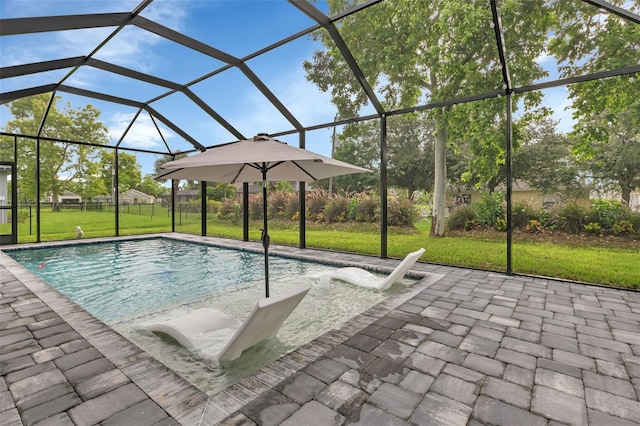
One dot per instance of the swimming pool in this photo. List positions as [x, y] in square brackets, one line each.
[125, 283]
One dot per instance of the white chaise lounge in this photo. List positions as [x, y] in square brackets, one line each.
[363, 278]
[215, 329]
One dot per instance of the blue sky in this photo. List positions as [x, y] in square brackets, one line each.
[235, 30]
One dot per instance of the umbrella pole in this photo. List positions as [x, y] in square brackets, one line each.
[265, 234]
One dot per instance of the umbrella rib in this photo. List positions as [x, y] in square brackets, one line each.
[304, 170]
[274, 165]
[238, 174]
[168, 172]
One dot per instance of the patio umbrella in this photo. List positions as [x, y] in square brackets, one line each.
[259, 159]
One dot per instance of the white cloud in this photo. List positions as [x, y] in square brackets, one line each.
[142, 134]
[545, 58]
[558, 99]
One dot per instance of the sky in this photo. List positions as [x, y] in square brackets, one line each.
[236, 27]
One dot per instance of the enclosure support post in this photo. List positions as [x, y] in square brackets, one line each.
[302, 228]
[37, 190]
[383, 186]
[115, 185]
[14, 192]
[174, 185]
[509, 184]
[203, 205]
[245, 211]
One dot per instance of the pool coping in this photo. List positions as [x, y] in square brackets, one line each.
[180, 399]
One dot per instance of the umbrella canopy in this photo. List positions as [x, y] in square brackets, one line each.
[259, 159]
[246, 160]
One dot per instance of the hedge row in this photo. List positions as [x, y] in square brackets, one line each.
[320, 207]
[602, 217]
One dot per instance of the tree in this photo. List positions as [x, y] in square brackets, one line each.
[152, 187]
[92, 184]
[357, 146]
[61, 163]
[544, 158]
[607, 133]
[415, 52]
[613, 159]
[129, 174]
[221, 191]
[159, 170]
[411, 151]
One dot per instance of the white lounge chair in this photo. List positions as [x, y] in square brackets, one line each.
[212, 329]
[363, 278]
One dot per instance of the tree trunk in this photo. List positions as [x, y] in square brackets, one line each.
[440, 181]
[54, 197]
[626, 195]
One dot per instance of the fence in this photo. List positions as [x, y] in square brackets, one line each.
[184, 211]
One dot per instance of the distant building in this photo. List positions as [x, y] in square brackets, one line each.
[186, 195]
[182, 196]
[131, 196]
[521, 191]
[65, 197]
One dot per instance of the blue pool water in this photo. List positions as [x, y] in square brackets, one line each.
[144, 274]
[126, 283]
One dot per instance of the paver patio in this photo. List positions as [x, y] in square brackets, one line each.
[458, 347]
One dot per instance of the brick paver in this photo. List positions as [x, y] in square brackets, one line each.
[459, 347]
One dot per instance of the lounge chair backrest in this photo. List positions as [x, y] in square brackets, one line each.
[263, 322]
[401, 270]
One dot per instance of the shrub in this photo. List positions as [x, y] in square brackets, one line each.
[214, 206]
[316, 201]
[628, 222]
[545, 219]
[606, 212]
[362, 208]
[278, 201]
[623, 227]
[401, 212]
[522, 213]
[533, 226]
[462, 218]
[230, 210]
[570, 216]
[633, 218]
[23, 216]
[291, 209]
[490, 208]
[592, 228]
[255, 206]
[336, 209]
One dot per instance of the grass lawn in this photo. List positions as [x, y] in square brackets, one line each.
[617, 266]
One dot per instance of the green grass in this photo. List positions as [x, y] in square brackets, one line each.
[611, 266]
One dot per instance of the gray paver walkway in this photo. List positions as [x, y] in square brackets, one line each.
[459, 347]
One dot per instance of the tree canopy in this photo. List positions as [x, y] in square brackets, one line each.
[62, 164]
[607, 130]
[420, 52]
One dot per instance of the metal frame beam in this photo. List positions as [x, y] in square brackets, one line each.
[37, 67]
[205, 49]
[327, 23]
[16, 26]
[611, 8]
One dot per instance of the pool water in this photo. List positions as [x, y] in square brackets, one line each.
[128, 283]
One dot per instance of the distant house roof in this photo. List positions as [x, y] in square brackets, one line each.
[136, 193]
[518, 185]
[187, 192]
